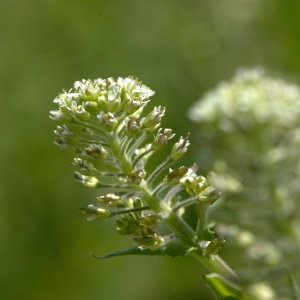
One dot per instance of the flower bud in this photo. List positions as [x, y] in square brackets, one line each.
[95, 212]
[189, 184]
[162, 138]
[113, 97]
[174, 176]
[89, 181]
[87, 89]
[95, 151]
[128, 224]
[136, 176]
[133, 126]
[91, 106]
[80, 113]
[65, 137]
[90, 97]
[153, 241]
[107, 121]
[194, 184]
[110, 200]
[63, 131]
[153, 119]
[150, 220]
[137, 203]
[209, 194]
[102, 100]
[84, 167]
[132, 106]
[180, 148]
[60, 116]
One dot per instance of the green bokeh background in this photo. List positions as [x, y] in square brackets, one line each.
[178, 48]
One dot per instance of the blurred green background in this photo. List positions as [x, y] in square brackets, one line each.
[178, 48]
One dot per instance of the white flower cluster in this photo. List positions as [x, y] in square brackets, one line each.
[249, 99]
[250, 132]
[102, 122]
[90, 97]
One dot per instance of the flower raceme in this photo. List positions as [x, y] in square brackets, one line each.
[164, 208]
[102, 122]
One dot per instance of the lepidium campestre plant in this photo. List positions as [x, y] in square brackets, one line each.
[103, 123]
[249, 132]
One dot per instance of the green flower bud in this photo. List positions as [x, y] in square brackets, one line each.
[153, 119]
[110, 200]
[89, 181]
[136, 94]
[180, 148]
[134, 106]
[79, 112]
[209, 194]
[102, 100]
[194, 184]
[58, 115]
[63, 131]
[189, 184]
[95, 212]
[65, 137]
[150, 220]
[107, 121]
[201, 183]
[128, 224]
[84, 167]
[133, 126]
[174, 176]
[87, 90]
[113, 97]
[95, 151]
[91, 106]
[162, 138]
[136, 176]
[137, 204]
[153, 242]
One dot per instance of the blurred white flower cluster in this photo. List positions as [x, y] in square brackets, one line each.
[250, 99]
[250, 136]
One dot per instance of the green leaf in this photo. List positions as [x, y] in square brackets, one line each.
[173, 248]
[293, 286]
[222, 288]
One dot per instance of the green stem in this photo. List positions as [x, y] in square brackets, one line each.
[181, 228]
[202, 208]
[185, 203]
[125, 163]
[214, 264]
[173, 220]
[168, 162]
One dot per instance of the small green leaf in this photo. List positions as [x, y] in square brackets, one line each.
[222, 288]
[172, 248]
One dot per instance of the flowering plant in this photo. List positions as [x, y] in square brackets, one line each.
[104, 124]
[249, 129]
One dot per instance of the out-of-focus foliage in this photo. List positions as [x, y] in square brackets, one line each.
[180, 49]
[250, 131]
